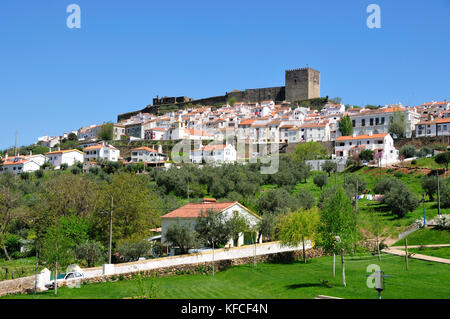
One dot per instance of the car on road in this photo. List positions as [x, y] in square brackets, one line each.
[65, 276]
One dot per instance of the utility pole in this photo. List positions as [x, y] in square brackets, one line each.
[423, 204]
[356, 197]
[110, 229]
[15, 145]
[35, 271]
[406, 252]
[213, 259]
[438, 194]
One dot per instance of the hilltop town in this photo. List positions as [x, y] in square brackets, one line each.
[286, 115]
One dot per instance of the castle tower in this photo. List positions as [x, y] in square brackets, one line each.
[302, 84]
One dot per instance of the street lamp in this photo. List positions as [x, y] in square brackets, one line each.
[379, 281]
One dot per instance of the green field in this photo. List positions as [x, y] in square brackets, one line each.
[426, 236]
[21, 267]
[441, 252]
[294, 280]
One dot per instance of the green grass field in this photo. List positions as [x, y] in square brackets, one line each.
[21, 267]
[442, 252]
[426, 236]
[295, 281]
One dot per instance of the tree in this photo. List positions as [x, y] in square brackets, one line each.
[329, 167]
[336, 100]
[407, 151]
[275, 201]
[443, 158]
[337, 230]
[132, 250]
[56, 250]
[320, 180]
[354, 183]
[346, 126]
[106, 132]
[9, 200]
[401, 200]
[398, 124]
[429, 186]
[386, 184]
[309, 151]
[304, 199]
[212, 228]
[445, 193]
[366, 155]
[231, 101]
[237, 225]
[374, 224]
[89, 251]
[297, 227]
[72, 137]
[182, 236]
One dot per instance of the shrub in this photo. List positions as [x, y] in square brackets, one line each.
[39, 173]
[407, 151]
[443, 221]
[131, 251]
[304, 199]
[366, 155]
[386, 184]
[399, 174]
[90, 251]
[401, 200]
[24, 175]
[75, 170]
[320, 180]
[443, 158]
[414, 162]
[64, 166]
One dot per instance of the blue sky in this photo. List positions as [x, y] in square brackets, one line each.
[55, 79]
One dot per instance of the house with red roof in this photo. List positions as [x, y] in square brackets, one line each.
[436, 127]
[101, 151]
[69, 157]
[147, 155]
[382, 143]
[20, 164]
[189, 213]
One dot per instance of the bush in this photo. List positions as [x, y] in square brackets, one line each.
[320, 180]
[131, 251]
[399, 174]
[75, 170]
[24, 175]
[401, 200]
[443, 158]
[90, 251]
[414, 162]
[366, 155]
[304, 199]
[64, 166]
[443, 221]
[39, 173]
[407, 151]
[386, 184]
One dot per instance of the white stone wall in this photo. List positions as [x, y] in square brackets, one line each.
[219, 254]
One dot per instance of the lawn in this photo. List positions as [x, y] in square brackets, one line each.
[393, 224]
[293, 281]
[426, 236]
[21, 267]
[442, 252]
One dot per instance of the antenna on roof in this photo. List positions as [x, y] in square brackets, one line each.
[15, 146]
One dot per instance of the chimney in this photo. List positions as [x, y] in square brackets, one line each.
[370, 133]
[209, 200]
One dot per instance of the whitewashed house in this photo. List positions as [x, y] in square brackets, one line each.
[222, 153]
[347, 146]
[315, 132]
[189, 213]
[69, 157]
[156, 133]
[147, 155]
[437, 127]
[101, 151]
[21, 164]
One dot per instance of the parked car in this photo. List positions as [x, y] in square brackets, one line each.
[364, 163]
[65, 276]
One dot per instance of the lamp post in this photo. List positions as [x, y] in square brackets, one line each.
[423, 204]
[110, 230]
[379, 281]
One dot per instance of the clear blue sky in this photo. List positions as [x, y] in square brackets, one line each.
[54, 79]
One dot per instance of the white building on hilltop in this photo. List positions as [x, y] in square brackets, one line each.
[22, 164]
[101, 151]
[347, 146]
[214, 154]
[69, 157]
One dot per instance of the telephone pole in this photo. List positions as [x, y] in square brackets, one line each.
[438, 194]
[110, 230]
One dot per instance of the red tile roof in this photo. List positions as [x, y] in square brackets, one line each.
[194, 210]
[360, 137]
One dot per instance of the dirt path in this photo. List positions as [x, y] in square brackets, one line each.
[399, 252]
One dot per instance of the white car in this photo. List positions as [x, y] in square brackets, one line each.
[64, 277]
